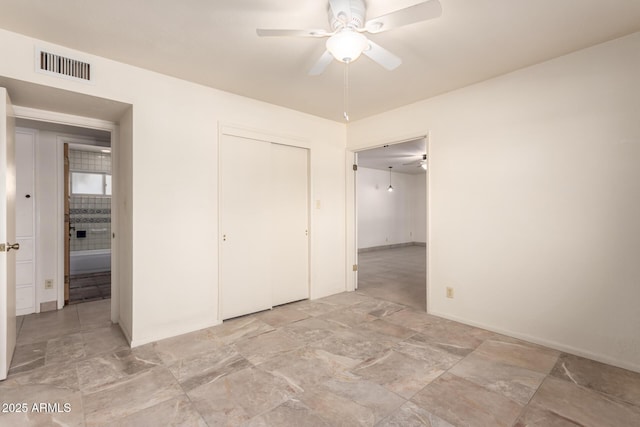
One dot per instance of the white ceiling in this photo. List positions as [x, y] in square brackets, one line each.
[49, 98]
[403, 157]
[100, 137]
[213, 42]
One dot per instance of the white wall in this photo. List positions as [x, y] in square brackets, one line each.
[173, 184]
[419, 207]
[534, 200]
[388, 218]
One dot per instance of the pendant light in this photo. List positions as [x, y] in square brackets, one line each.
[390, 189]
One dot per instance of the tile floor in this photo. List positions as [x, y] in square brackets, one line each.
[346, 360]
[89, 287]
[398, 275]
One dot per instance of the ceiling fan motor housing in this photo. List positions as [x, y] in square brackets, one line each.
[358, 11]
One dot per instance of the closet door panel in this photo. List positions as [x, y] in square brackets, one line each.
[290, 223]
[245, 232]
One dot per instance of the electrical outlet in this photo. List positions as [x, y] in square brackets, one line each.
[449, 292]
[48, 284]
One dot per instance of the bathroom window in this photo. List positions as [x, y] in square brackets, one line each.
[91, 183]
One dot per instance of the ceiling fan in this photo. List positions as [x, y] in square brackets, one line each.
[421, 163]
[346, 40]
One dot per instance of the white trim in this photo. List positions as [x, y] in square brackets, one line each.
[354, 224]
[428, 215]
[115, 285]
[88, 146]
[60, 220]
[62, 118]
[263, 135]
[391, 141]
[169, 333]
[547, 343]
[351, 226]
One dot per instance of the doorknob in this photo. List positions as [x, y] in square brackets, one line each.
[9, 246]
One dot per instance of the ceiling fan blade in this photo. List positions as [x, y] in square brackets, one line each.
[341, 10]
[321, 64]
[382, 56]
[291, 33]
[409, 15]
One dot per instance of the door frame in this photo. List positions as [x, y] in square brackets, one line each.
[351, 158]
[90, 123]
[64, 145]
[241, 131]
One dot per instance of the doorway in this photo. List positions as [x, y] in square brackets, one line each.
[112, 116]
[391, 222]
[88, 211]
[61, 169]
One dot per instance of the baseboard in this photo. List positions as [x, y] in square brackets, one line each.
[172, 333]
[547, 343]
[48, 306]
[393, 246]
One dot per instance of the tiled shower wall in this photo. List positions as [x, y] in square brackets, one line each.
[89, 213]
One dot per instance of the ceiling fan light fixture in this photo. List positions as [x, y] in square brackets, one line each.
[347, 45]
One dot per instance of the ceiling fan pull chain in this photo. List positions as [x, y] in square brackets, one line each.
[346, 91]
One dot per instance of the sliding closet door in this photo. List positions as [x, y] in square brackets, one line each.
[264, 225]
[290, 209]
[245, 200]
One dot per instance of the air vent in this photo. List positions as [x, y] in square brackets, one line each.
[51, 63]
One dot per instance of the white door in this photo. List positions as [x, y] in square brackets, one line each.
[245, 192]
[7, 235]
[290, 223]
[25, 257]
